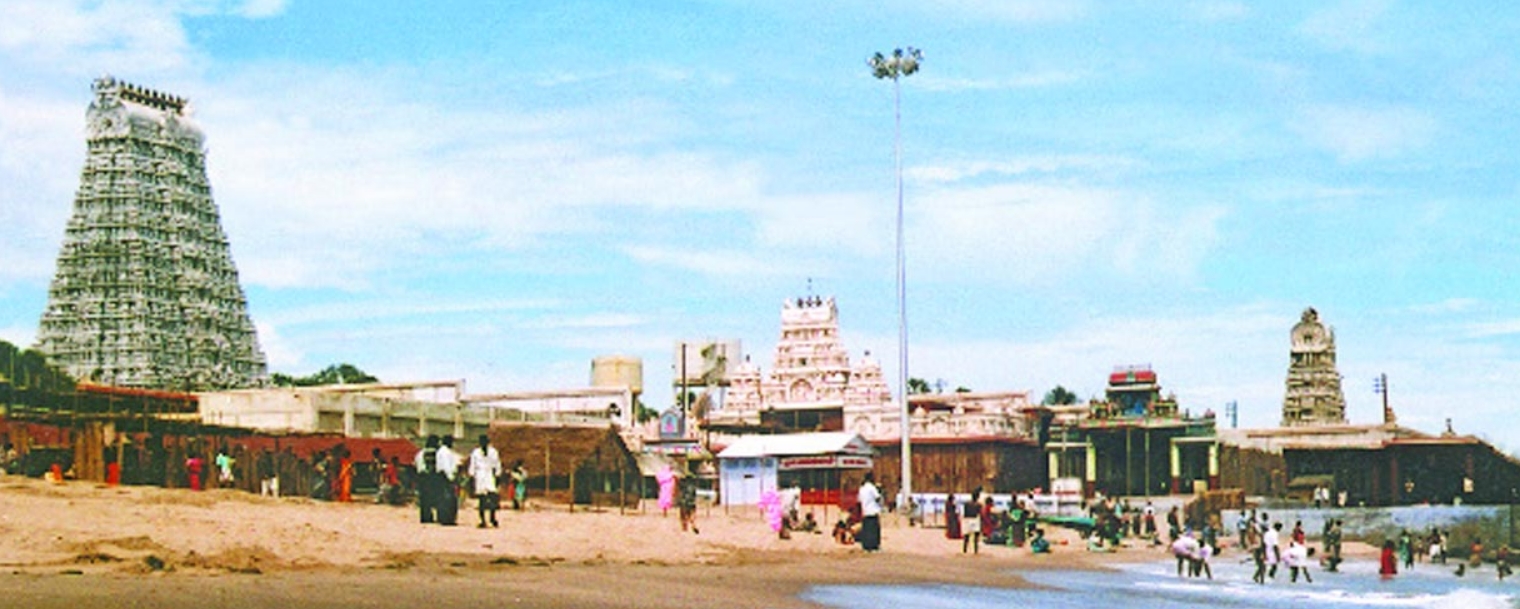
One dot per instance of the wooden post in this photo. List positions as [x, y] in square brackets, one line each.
[546, 470]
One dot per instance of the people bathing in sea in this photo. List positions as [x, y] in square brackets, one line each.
[1333, 547]
[1388, 562]
[1405, 548]
[1273, 551]
[1501, 561]
[1259, 557]
[1184, 549]
[1297, 559]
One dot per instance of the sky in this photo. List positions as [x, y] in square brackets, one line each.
[503, 191]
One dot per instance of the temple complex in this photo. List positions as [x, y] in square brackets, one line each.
[960, 440]
[145, 293]
[811, 386]
[1314, 385]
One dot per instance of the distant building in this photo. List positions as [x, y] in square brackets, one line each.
[145, 294]
[1134, 441]
[960, 440]
[810, 386]
[1313, 394]
[373, 410]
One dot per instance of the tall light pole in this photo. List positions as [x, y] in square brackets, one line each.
[901, 63]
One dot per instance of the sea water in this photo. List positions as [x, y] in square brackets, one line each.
[1156, 586]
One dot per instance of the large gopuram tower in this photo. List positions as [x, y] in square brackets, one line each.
[1314, 385]
[145, 293]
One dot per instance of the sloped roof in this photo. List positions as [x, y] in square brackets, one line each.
[568, 447]
[816, 443]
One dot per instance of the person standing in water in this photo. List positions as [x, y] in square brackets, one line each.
[1388, 562]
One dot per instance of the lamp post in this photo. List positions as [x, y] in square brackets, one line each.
[901, 63]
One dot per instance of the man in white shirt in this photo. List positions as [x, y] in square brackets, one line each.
[448, 466]
[1273, 551]
[485, 468]
[870, 514]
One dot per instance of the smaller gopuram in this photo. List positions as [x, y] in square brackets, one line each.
[812, 382]
[1314, 394]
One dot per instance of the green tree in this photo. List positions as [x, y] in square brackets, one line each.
[917, 386]
[29, 370]
[1059, 396]
[336, 374]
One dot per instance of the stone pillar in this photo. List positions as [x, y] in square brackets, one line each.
[1175, 461]
[1214, 465]
[1055, 468]
[1090, 479]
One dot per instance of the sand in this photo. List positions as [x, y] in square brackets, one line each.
[81, 545]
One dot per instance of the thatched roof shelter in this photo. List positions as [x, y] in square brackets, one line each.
[583, 460]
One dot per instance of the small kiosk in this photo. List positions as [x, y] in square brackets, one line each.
[816, 463]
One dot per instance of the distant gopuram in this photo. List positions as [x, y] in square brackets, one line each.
[145, 293]
[1314, 385]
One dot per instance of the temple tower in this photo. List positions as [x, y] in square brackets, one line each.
[1314, 385]
[145, 293]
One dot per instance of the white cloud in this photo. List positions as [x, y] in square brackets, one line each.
[1030, 233]
[279, 352]
[20, 336]
[260, 9]
[1047, 78]
[1224, 10]
[1350, 25]
[1011, 11]
[955, 172]
[731, 264]
[1359, 133]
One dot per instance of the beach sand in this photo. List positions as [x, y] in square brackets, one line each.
[76, 545]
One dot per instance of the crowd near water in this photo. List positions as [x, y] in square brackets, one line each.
[1259, 561]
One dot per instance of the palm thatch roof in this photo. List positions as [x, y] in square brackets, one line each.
[567, 448]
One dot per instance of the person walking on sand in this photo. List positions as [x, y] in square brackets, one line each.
[343, 487]
[448, 466]
[686, 502]
[194, 466]
[869, 498]
[429, 484]
[519, 486]
[269, 479]
[485, 468]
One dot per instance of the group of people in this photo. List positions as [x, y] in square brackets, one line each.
[442, 474]
[1406, 549]
[980, 520]
[1263, 538]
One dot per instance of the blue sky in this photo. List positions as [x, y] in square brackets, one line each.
[502, 191]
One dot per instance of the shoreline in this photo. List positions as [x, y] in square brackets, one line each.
[77, 545]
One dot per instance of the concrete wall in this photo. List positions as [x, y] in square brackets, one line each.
[1494, 524]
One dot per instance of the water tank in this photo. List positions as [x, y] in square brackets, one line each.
[618, 371]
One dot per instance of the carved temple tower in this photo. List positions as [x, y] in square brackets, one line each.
[812, 381]
[1314, 385]
[145, 293]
